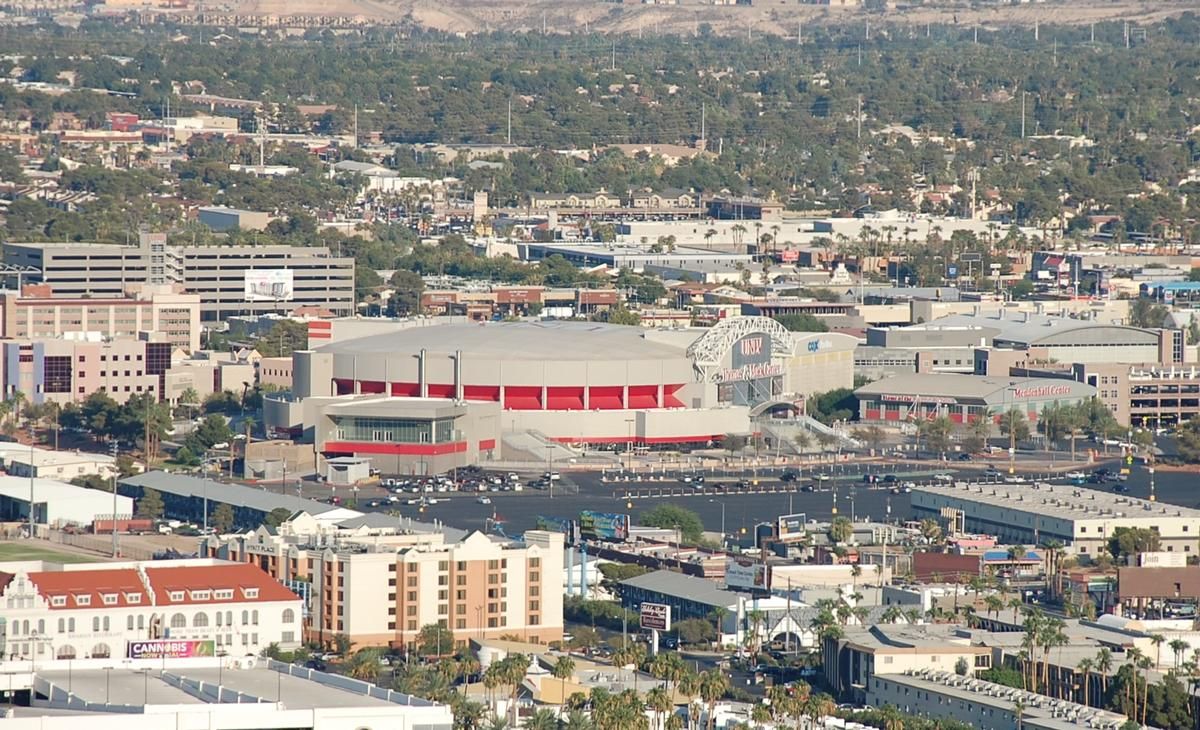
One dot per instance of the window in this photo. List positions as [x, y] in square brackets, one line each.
[460, 609]
[129, 622]
[460, 580]
[224, 594]
[175, 595]
[70, 625]
[201, 595]
[444, 580]
[412, 596]
[254, 618]
[219, 622]
[460, 595]
[58, 601]
[289, 616]
[412, 581]
[535, 562]
[178, 621]
[533, 605]
[83, 599]
[460, 623]
[61, 626]
[95, 623]
[200, 620]
[410, 610]
[460, 565]
[245, 617]
[109, 599]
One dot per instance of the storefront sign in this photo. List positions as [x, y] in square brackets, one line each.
[912, 398]
[749, 372]
[656, 616]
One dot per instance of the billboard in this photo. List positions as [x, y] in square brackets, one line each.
[269, 285]
[751, 377]
[745, 574]
[789, 525]
[656, 616]
[603, 526]
[169, 649]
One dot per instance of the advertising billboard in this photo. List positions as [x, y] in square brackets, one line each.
[751, 377]
[269, 285]
[170, 649]
[790, 525]
[745, 574]
[656, 616]
[603, 526]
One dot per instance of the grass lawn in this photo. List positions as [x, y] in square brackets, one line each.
[25, 550]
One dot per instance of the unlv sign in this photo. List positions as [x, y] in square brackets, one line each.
[752, 346]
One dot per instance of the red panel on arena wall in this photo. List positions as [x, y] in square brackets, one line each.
[643, 396]
[370, 386]
[487, 393]
[440, 390]
[606, 397]
[341, 386]
[357, 447]
[523, 397]
[669, 399]
[564, 399]
[872, 414]
[487, 444]
[891, 416]
[406, 390]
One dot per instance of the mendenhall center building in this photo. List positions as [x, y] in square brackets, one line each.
[424, 399]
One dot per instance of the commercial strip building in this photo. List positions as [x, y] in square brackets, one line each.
[229, 280]
[101, 610]
[940, 694]
[1080, 518]
[964, 398]
[433, 397]
[379, 581]
[219, 693]
[20, 460]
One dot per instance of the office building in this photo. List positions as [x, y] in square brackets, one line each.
[964, 398]
[229, 280]
[68, 371]
[36, 312]
[1082, 519]
[100, 610]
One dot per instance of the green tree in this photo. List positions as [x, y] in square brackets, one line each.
[277, 517]
[1014, 425]
[435, 640]
[802, 322]
[673, 516]
[695, 631]
[407, 288]
[841, 529]
[222, 519]
[1126, 541]
[150, 505]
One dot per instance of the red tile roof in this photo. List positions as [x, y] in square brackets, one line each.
[95, 584]
[125, 583]
[239, 577]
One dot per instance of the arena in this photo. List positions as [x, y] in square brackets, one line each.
[449, 392]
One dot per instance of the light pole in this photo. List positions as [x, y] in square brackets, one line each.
[629, 440]
[32, 508]
[722, 503]
[550, 469]
[116, 549]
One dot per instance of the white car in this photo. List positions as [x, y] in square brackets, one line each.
[484, 499]
[1014, 479]
[1075, 475]
[944, 477]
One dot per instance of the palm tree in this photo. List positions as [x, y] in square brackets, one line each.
[1178, 646]
[1104, 662]
[564, 667]
[658, 700]
[855, 574]
[993, 604]
[719, 613]
[364, 666]
[892, 719]
[756, 619]
[713, 685]
[541, 719]
[1158, 640]
[1015, 603]
[1019, 712]
[892, 614]
[1085, 666]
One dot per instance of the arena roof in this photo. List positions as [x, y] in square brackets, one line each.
[1033, 329]
[552, 340]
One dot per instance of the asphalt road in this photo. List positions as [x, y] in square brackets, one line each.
[518, 511]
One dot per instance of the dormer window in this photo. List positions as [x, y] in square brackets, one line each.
[203, 595]
[250, 592]
[83, 599]
[175, 596]
[58, 601]
[223, 594]
[109, 599]
[133, 597]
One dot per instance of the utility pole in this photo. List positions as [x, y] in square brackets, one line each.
[356, 126]
[858, 119]
[1056, 53]
[867, 34]
[1127, 34]
[799, 32]
[977, 35]
[927, 30]
[115, 547]
[704, 125]
[1093, 33]
[1036, 31]
[1022, 115]
[509, 138]
[543, 22]
[614, 57]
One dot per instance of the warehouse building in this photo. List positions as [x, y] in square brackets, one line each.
[1083, 519]
[56, 503]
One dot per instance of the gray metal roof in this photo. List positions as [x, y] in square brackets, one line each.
[686, 587]
[552, 340]
[988, 389]
[234, 494]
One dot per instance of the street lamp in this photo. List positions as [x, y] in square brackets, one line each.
[722, 503]
[629, 440]
[550, 469]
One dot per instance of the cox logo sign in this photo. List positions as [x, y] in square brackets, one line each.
[752, 346]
